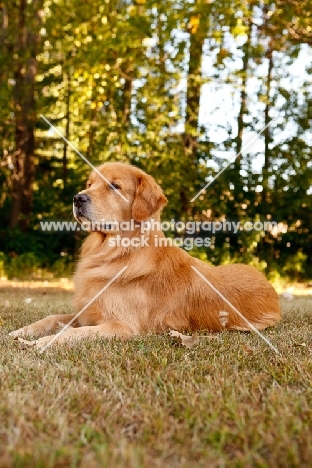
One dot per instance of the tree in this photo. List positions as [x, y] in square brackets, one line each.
[21, 38]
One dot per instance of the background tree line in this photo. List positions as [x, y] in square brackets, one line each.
[137, 82]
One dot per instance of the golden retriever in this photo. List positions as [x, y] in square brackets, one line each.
[160, 288]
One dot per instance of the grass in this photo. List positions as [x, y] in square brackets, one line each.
[150, 402]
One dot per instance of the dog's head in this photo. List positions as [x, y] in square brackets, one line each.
[115, 193]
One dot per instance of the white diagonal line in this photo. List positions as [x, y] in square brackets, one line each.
[236, 310]
[83, 309]
[83, 157]
[236, 156]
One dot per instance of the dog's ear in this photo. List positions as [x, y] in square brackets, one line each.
[149, 198]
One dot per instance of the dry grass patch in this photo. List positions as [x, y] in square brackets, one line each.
[150, 402]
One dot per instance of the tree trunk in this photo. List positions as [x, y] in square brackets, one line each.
[267, 245]
[267, 134]
[127, 94]
[128, 76]
[68, 91]
[198, 31]
[197, 37]
[23, 176]
[243, 98]
[25, 115]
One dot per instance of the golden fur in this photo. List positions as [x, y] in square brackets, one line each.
[159, 290]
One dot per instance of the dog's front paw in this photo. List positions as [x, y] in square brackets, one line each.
[39, 344]
[19, 333]
[25, 344]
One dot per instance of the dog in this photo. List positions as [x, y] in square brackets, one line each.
[129, 288]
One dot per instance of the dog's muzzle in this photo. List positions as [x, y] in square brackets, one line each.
[80, 199]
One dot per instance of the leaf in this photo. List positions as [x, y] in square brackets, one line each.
[248, 349]
[223, 317]
[194, 23]
[188, 341]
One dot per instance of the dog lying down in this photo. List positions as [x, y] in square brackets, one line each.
[160, 287]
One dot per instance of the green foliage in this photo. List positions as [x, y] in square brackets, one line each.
[126, 82]
[24, 265]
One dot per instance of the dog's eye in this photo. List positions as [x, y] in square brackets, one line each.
[115, 186]
[89, 184]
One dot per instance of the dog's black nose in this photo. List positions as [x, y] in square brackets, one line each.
[80, 199]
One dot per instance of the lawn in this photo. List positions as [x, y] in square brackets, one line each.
[229, 401]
